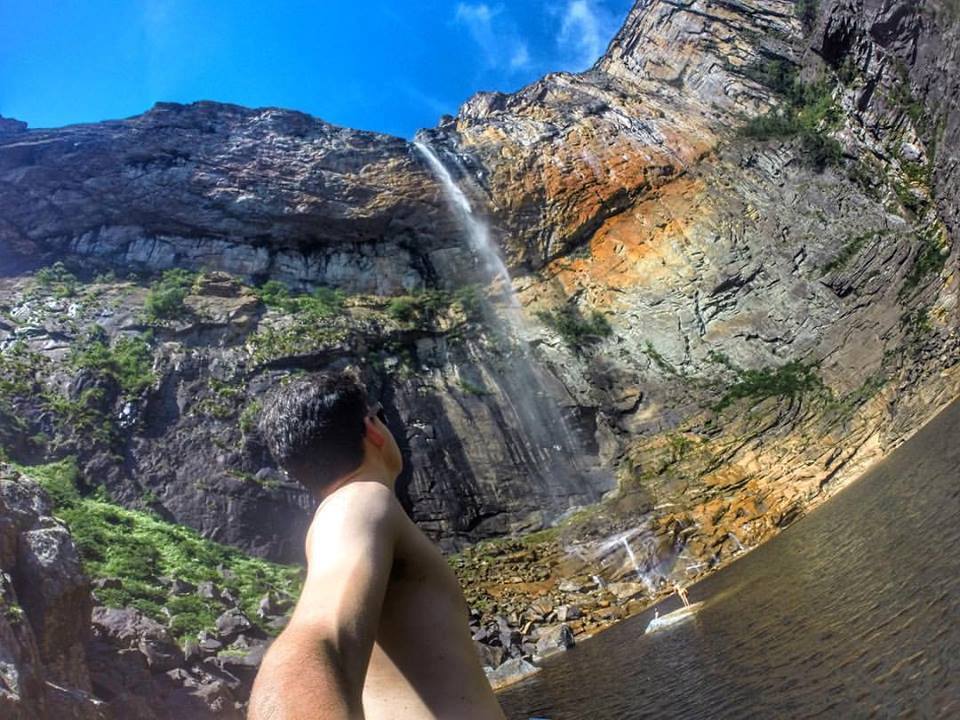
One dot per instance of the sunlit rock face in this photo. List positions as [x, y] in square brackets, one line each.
[259, 193]
[777, 323]
[562, 154]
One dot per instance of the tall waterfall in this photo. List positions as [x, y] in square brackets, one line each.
[531, 396]
[477, 231]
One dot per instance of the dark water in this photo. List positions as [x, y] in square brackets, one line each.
[854, 612]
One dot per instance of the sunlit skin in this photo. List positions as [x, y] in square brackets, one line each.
[380, 629]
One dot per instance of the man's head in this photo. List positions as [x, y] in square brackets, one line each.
[320, 428]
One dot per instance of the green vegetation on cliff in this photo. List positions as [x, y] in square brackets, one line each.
[806, 11]
[128, 361]
[790, 380]
[423, 306]
[57, 280]
[851, 248]
[577, 331]
[139, 549]
[165, 298]
[929, 259]
[808, 112]
[321, 303]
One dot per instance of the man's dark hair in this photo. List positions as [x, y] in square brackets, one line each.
[314, 426]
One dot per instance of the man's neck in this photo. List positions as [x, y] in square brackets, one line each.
[364, 473]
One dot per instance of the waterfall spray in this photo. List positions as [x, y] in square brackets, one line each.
[633, 558]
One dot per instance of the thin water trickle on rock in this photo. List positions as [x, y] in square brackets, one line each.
[851, 612]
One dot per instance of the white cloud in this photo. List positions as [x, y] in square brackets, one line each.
[437, 105]
[479, 13]
[521, 56]
[495, 34]
[585, 30]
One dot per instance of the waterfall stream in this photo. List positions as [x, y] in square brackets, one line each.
[532, 397]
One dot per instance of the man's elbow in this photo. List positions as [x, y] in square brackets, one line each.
[301, 677]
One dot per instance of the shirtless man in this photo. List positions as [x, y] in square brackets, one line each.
[682, 594]
[380, 629]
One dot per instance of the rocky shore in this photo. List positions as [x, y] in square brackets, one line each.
[66, 655]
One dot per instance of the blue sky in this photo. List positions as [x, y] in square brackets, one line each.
[371, 64]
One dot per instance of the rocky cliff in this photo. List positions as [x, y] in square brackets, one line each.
[732, 241]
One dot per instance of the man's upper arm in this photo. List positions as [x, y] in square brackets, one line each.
[350, 556]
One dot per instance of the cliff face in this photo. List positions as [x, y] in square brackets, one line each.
[259, 193]
[781, 302]
[563, 154]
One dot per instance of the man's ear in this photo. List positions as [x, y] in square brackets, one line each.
[374, 435]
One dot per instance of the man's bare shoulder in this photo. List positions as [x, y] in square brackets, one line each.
[360, 497]
[357, 509]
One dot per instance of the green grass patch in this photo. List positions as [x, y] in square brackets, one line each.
[808, 113]
[221, 401]
[471, 388]
[128, 361]
[425, 306]
[138, 548]
[916, 323]
[929, 259]
[84, 416]
[249, 416]
[57, 280]
[901, 96]
[18, 371]
[165, 298]
[321, 303]
[845, 406]
[850, 250]
[777, 74]
[664, 365]
[302, 337]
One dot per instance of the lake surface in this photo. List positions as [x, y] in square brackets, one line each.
[853, 612]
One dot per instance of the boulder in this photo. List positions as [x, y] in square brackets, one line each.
[554, 639]
[126, 628]
[161, 656]
[569, 612]
[572, 585]
[232, 623]
[542, 606]
[241, 664]
[107, 584]
[490, 657]
[182, 587]
[626, 590]
[208, 590]
[510, 638]
[510, 672]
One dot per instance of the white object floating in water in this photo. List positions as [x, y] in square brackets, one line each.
[677, 616]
